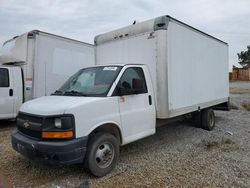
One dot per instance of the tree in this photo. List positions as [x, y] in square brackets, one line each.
[244, 57]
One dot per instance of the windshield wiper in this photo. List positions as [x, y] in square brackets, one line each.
[57, 92]
[74, 93]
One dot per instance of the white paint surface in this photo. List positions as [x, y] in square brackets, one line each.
[197, 68]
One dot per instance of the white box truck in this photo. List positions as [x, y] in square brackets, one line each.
[147, 74]
[36, 64]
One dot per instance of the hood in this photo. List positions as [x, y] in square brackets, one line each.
[55, 105]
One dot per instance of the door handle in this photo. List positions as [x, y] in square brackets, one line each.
[150, 100]
[11, 92]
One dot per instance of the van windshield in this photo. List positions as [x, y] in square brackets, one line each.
[94, 81]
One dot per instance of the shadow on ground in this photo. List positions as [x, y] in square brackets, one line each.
[7, 124]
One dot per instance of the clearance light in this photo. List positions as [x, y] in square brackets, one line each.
[57, 135]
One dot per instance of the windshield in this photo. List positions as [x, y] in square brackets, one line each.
[94, 81]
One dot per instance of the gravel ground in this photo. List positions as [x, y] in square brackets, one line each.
[240, 93]
[178, 155]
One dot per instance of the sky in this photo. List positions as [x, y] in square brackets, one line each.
[228, 20]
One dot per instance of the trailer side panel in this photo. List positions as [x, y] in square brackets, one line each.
[56, 59]
[197, 70]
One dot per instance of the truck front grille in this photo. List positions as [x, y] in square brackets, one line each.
[30, 125]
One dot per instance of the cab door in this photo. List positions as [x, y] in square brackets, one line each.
[6, 93]
[137, 111]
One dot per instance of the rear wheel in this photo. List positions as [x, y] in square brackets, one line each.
[207, 119]
[102, 153]
[196, 119]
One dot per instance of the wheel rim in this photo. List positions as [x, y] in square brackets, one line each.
[104, 155]
[211, 119]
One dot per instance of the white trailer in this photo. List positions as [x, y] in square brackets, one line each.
[35, 64]
[146, 74]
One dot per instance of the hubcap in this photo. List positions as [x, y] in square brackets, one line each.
[104, 155]
[211, 120]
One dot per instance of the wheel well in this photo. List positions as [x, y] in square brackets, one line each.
[109, 128]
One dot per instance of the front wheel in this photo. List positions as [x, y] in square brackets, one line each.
[102, 153]
[207, 119]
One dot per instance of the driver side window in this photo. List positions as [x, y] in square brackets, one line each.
[133, 79]
[4, 77]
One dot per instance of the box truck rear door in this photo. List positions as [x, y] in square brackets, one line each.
[6, 93]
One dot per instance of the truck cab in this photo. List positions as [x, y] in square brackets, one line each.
[11, 92]
[86, 120]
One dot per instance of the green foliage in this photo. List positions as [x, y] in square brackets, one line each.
[244, 57]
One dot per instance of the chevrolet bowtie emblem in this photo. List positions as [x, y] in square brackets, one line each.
[26, 124]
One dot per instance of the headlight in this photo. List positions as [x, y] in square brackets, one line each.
[59, 127]
[58, 123]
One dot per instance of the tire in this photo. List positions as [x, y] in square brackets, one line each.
[196, 119]
[207, 119]
[102, 154]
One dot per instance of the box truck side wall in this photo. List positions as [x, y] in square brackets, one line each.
[197, 70]
[56, 59]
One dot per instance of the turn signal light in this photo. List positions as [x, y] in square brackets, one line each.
[57, 135]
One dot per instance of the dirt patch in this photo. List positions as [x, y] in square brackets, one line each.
[5, 181]
[225, 145]
[246, 105]
[239, 91]
[240, 95]
[240, 87]
[233, 106]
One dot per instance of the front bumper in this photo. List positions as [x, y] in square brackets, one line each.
[50, 152]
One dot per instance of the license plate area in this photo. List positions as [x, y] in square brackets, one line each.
[20, 148]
